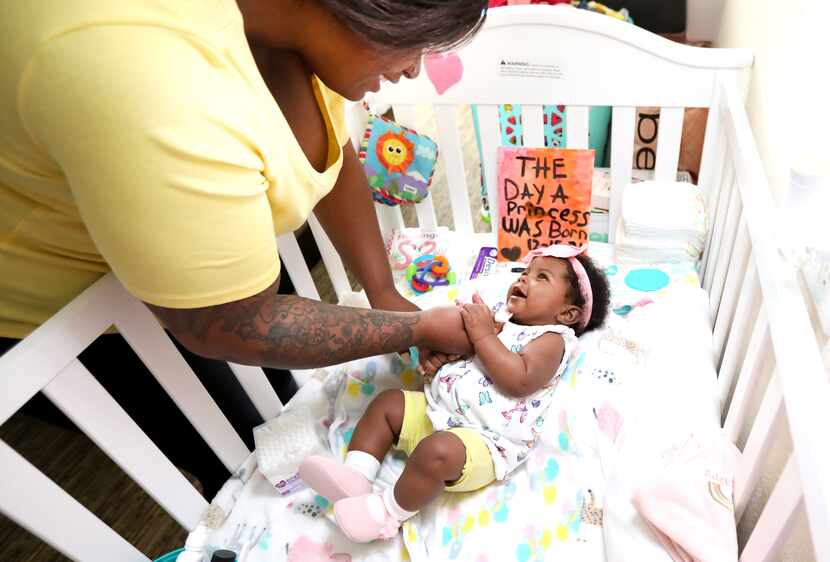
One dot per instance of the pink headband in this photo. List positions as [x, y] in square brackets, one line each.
[569, 253]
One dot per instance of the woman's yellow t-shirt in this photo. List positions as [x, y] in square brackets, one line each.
[139, 136]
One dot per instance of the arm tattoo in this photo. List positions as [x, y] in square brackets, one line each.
[285, 331]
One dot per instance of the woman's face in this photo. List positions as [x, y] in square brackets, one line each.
[348, 63]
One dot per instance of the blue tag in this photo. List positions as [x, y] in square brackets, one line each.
[413, 357]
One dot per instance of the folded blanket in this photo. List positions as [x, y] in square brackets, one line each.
[689, 505]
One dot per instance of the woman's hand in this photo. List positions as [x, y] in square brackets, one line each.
[479, 320]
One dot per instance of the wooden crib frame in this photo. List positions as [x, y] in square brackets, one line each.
[762, 331]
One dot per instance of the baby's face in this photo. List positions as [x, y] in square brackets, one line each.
[540, 293]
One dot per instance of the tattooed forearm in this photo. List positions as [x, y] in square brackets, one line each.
[286, 331]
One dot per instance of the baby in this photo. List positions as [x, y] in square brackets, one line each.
[479, 417]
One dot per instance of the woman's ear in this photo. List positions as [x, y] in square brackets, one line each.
[569, 315]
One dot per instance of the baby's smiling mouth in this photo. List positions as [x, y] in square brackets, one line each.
[518, 292]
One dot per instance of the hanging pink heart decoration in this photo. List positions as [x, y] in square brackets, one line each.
[443, 70]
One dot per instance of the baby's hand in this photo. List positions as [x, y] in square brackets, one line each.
[479, 320]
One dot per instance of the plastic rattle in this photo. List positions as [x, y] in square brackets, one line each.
[429, 271]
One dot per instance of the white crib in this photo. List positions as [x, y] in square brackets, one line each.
[762, 331]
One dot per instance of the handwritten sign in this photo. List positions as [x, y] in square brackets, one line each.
[544, 198]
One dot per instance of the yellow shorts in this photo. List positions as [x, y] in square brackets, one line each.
[478, 469]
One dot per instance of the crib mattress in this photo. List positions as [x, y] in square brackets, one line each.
[634, 387]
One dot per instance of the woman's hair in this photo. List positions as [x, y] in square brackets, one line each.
[432, 25]
[599, 288]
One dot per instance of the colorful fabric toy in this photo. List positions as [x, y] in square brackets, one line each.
[399, 163]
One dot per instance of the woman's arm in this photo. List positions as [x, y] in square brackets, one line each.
[348, 216]
[289, 332]
[517, 374]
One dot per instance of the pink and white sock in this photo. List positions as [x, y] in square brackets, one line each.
[392, 506]
[364, 463]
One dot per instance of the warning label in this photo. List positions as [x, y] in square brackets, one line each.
[525, 68]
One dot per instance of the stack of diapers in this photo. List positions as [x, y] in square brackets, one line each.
[661, 222]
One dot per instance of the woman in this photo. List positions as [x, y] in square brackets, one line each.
[169, 142]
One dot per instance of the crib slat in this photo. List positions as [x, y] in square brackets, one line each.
[39, 505]
[622, 152]
[258, 389]
[389, 219]
[719, 223]
[331, 259]
[450, 144]
[533, 128]
[711, 159]
[84, 401]
[488, 123]
[726, 250]
[294, 263]
[577, 122]
[769, 420]
[67, 333]
[757, 364]
[668, 143]
[426, 214]
[776, 522]
[714, 179]
[139, 327]
[731, 289]
[737, 343]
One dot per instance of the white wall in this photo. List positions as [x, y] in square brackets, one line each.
[790, 88]
[789, 109]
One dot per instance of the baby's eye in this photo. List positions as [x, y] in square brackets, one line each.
[543, 276]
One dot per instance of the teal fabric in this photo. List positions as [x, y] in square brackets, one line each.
[170, 556]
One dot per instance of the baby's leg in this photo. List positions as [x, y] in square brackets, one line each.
[380, 425]
[436, 461]
[376, 431]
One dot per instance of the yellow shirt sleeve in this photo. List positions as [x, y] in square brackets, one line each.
[158, 138]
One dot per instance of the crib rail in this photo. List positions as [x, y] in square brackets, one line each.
[47, 361]
[765, 347]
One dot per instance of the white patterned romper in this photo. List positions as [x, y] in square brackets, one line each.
[462, 395]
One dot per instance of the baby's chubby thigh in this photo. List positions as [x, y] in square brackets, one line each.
[458, 456]
[441, 455]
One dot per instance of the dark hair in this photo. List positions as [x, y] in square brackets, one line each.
[432, 25]
[599, 288]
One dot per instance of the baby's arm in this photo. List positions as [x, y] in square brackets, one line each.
[517, 374]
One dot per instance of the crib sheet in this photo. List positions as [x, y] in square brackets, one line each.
[654, 355]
